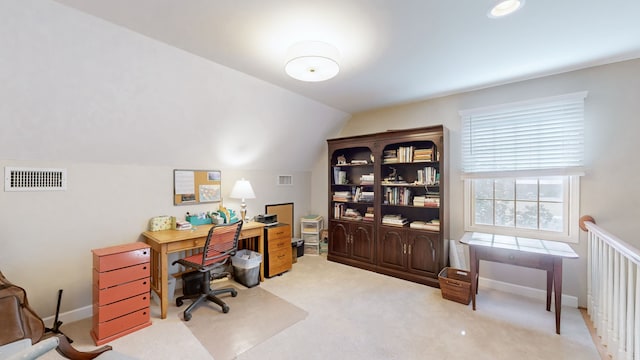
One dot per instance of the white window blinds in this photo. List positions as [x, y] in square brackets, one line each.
[544, 134]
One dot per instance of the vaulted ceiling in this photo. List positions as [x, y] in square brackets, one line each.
[390, 51]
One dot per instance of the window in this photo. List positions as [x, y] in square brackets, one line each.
[521, 165]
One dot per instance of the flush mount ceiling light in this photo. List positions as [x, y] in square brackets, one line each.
[312, 61]
[503, 8]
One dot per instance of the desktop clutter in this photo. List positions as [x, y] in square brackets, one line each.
[222, 216]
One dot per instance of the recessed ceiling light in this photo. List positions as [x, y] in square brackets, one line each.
[312, 61]
[505, 7]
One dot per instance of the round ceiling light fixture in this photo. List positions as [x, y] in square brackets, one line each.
[503, 8]
[312, 61]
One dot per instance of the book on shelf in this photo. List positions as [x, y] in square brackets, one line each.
[394, 220]
[390, 156]
[426, 225]
[397, 195]
[427, 176]
[366, 179]
[337, 210]
[369, 215]
[422, 155]
[426, 201]
[342, 196]
[351, 214]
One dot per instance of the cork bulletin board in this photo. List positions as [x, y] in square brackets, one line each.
[196, 186]
[284, 212]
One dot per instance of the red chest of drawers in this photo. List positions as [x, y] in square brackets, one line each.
[121, 290]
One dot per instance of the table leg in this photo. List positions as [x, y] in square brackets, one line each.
[474, 264]
[557, 289]
[549, 287]
[261, 251]
[164, 281]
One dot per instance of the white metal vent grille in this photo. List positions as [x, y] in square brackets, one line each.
[34, 179]
[285, 180]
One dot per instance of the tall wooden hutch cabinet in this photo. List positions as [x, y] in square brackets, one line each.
[387, 203]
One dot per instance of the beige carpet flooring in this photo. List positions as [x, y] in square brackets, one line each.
[356, 314]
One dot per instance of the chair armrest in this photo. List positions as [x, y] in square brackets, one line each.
[65, 349]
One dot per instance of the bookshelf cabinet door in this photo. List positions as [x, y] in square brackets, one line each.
[391, 248]
[423, 253]
[338, 238]
[362, 245]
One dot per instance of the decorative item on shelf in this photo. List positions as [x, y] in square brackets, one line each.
[342, 160]
[242, 190]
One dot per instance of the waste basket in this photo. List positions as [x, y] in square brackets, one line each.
[246, 267]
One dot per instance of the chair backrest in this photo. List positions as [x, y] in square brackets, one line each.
[222, 242]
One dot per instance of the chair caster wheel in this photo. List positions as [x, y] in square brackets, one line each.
[234, 293]
[179, 302]
[225, 309]
[187, 317]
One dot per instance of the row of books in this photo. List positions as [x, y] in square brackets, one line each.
[358, 195]
[394, 195]
[428, 176]
[342, 196]
[426, 201]
[405, 154]
[366, 179]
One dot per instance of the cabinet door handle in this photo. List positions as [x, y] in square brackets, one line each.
[404, 248]
[409, 249]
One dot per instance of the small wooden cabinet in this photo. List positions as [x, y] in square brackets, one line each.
[121, 291]
[277, 249]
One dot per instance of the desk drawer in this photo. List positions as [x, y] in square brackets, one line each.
[514, 257]
[120, 259]
[124, 291]
[279, 261]
[120, 308]
[120, 276]
[120, 324]
[279, 232]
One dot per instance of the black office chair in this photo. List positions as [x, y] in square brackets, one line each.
[221, 244]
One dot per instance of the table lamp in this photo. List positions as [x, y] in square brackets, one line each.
[242, 190]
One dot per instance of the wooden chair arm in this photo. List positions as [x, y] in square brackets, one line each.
[65, 349]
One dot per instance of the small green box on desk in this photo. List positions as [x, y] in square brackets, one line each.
[194, 220]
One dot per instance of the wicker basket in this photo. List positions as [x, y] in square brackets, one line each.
[455, 285]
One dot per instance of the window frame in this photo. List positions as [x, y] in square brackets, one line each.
[570, 232]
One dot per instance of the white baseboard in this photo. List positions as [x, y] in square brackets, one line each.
[567, 300]
[70, 316]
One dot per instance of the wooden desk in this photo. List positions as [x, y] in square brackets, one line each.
[532, 253]
[165, 242]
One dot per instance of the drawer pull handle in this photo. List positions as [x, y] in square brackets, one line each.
[144, 283]
[144, 252]
[144, 268]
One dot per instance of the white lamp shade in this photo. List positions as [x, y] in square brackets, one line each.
[312, 61]
[242, 190]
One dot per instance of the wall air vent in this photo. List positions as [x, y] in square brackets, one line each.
[285, 180]
[34, 179]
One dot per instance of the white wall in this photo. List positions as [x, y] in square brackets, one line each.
[120, 111]
[609, 189]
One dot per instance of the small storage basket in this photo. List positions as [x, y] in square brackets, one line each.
[455, 285]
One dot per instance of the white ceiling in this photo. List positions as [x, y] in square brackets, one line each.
[391, 51]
